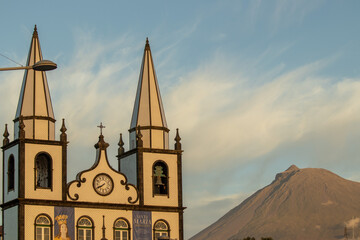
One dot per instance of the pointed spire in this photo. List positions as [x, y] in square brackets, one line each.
[177, 140]
[63, 135]
[6, 136]
[148, 108]
[34, 101]
[121, 149]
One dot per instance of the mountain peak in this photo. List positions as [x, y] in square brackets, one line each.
[310, 203]
[287, 173]
[292, 168]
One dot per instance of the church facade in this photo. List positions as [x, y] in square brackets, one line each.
[140, 199]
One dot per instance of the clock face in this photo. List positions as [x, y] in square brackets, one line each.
[103, 184]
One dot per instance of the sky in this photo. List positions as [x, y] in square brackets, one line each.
[253, 86]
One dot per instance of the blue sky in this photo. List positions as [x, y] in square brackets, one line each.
[254, 86]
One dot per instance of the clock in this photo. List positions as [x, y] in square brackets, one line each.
[103, 184]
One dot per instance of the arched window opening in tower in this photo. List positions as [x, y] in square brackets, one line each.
[11, 173]
[43, 171]
[160, 178]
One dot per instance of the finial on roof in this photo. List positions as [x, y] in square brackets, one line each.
[147, 45]
[35, 33]
[139, 141]
[101, 126]
[121, 146]
[177, 140]
[21, 128]
[63, 136]
[6, 136]
[101, 143]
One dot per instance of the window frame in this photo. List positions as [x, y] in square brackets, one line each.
[9, 173]
[43, 225]
[50, 171]
[161, 231]
[83, 227]
[166, 177]
[128, 229]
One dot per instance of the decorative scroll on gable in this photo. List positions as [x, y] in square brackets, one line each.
[101, 183]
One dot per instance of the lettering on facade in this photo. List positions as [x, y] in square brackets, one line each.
[142, 224]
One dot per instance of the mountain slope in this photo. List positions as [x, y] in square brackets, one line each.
[299, 204]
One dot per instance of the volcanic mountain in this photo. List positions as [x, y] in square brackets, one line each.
[309, 203]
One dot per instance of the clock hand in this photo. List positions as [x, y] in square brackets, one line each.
[101, 185]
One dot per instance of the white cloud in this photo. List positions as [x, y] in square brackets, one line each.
[224, 116]
[96, 84]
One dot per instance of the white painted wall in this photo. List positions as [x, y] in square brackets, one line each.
[31, 150]
[41, 129]
[97, 217]
[128, 167]
[112, 215]
[157, 139]
[87, 193]
[171, 161]
[31, 212]
[171, 218]
[10, 225]
[132, 139]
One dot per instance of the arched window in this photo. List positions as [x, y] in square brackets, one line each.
[43, 171]
[85, 229]
[160, 178]
[161, 228]
[43, 227]
[11, 173]
[121, 229]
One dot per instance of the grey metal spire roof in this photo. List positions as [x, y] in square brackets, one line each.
[35, 103]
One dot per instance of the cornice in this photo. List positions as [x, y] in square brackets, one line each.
[97, 205]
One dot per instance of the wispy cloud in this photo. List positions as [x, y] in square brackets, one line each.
[289, 12]
[227, 122]
[279, 14]
[242, 121]
[97, 84]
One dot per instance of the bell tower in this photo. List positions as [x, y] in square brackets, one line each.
[34, 163]
[150, 164]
